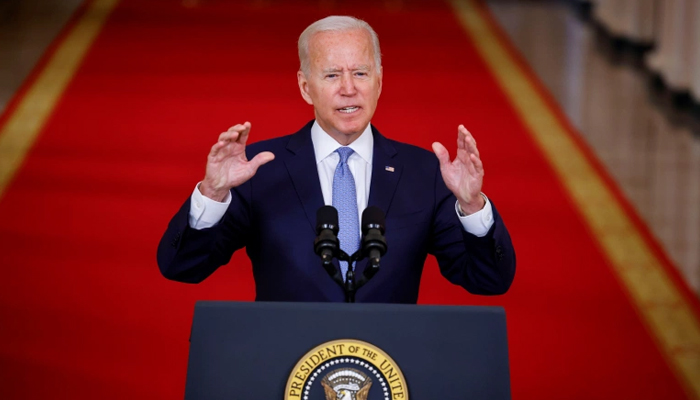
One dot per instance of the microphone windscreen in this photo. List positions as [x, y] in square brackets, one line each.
[327, 218]
[373, 217]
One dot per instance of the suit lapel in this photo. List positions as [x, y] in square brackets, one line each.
[301, 165]
[386, 172]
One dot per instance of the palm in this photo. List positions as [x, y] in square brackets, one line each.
[230, 166]
[227, 164]
[464, 175]
[458, 178]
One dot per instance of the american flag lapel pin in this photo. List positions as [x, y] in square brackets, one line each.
[389, 168]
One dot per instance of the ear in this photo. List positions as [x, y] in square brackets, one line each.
[381, 75]
[304, 87]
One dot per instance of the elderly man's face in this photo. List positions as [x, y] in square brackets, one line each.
[343, 84]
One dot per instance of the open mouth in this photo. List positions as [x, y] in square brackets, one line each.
[348, 110]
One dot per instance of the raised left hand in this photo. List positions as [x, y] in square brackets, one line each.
[463, 176]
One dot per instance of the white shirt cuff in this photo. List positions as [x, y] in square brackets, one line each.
[205, 212]
[479, 223]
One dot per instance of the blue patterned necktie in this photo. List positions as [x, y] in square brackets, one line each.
[345, 201]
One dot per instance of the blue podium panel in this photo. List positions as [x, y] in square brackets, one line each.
[294, 351]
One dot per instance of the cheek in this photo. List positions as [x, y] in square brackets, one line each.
[371, 90]
[372, 95]
[326, 98]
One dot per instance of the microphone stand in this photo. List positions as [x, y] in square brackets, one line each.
[350, 287]
[327, 246]
[349, 284]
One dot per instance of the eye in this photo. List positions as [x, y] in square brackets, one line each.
[331, 76]
[361, 74]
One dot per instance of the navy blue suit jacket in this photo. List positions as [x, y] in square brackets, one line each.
[273, 216]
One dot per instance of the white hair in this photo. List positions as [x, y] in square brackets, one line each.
[335, 23]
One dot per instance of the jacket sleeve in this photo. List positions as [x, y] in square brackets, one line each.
[190, 255]
[481, 265]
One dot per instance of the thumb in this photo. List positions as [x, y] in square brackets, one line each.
[442, 154]
[261, 159]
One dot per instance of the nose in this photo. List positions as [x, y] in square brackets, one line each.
[347, 85]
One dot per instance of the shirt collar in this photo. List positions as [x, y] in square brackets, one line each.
[325, 145]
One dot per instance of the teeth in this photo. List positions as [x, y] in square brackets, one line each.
[348, 110]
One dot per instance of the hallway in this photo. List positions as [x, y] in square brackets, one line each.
[584, 163]
[646, 145]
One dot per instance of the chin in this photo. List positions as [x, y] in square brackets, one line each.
[352, 128]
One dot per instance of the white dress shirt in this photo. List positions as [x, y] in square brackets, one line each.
[205, 212]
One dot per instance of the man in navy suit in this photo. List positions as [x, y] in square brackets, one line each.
[432, 205]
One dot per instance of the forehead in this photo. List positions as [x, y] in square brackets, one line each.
[342, 47]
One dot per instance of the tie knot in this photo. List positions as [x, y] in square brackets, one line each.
[344, 153]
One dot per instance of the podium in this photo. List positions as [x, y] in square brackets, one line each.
[320, 351]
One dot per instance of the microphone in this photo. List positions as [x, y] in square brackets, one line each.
[326, 244]
[373, 241]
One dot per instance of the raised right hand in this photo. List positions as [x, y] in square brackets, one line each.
[227, 164]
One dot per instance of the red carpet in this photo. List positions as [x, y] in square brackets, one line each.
[84, 312]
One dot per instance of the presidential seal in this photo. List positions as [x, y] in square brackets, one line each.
[346, 369]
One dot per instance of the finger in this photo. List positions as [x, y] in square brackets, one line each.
[461, 137]
[469, 141]
[471, 167]
[225, 139]
[463, 130]
[239, 130]
[261, 159]
[229, 136]
[240, 127]
[478, 164]
[471, 146]
[216, 148]
[219, 147]
[244, 133]
[442, 154]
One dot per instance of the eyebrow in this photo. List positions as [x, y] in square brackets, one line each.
[336, 69]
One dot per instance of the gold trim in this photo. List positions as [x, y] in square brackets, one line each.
[662, 306]
[344, 348]
[27, 120]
